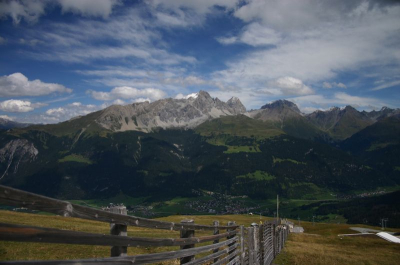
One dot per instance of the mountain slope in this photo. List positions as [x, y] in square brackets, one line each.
[8, 124]
[341, 123]
[287, 117]
[99, 155]
[378, 145]
[168, 113]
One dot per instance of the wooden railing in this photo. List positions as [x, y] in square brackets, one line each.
[230, 244]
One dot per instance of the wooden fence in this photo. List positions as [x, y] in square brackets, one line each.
[230, 244]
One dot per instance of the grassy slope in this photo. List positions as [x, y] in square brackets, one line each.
[239, 125]
[39, 251]
[319, 245]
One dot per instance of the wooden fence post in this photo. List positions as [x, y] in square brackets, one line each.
[251, 244]
[256, 243]
[242, 253]
[261, 243]
[274, 240]
[187, 233]
[119, 230]
[231, 223]
[216, 232]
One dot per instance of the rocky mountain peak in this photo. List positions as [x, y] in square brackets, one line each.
[281, 104]
[236, 105]
[187, 112]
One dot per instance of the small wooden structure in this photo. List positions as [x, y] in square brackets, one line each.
[230, 244]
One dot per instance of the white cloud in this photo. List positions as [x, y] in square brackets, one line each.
[202, 7]
[95, 8]
[227, 40]
[18, 85]
[31, 42]
[13, 105]
[134, 40]
[255, 35]
[291, 86]
[66, 112]
[126, 92]
[333, 84]
[29, 10]
[55, 111]
[2, 40]
[182, 96]
[313, 52]
[288, 15]
[386, 85]
[118, 102]
[259, 35]
[327, 85]
[185, 81]
[137, 100]
[6, 117]
[355, 100]
[310, 103]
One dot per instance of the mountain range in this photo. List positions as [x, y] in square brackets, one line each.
[6, 124]
[171, 147]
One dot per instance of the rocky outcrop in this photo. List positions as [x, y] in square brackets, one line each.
[168, 113]
[15, 152]
[278, 110]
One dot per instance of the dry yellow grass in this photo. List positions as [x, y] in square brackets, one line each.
[319, 245]
[45, 251]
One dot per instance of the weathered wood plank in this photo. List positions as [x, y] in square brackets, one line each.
[242, 252]
[19, 198]
[216, 232]
[213, 255]
[231, 223]
[185, 233]
[22, 233]
[139, 259]
[230, 257]
[234, 261]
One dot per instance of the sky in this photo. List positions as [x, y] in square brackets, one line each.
[64, 58]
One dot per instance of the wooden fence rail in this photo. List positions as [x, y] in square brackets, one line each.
[18, 198]
[238, 245]
[21, 233]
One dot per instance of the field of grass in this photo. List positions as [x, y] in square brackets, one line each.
[258, 175]
[75, 158]
[43, 251]
[238, 149]
[279, 160]
[239, 125]
[319, 244]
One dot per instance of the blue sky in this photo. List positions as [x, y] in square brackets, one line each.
[63, 58]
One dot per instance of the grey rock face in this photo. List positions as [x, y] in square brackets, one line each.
[15, 152]
[168, 113]
[276, 111]
[281, 104]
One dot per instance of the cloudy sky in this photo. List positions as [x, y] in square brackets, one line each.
[64, 58]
